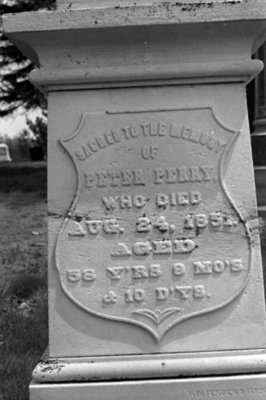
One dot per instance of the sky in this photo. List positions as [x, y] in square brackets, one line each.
[12, 126]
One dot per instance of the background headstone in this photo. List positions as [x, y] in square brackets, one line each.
[4, 153]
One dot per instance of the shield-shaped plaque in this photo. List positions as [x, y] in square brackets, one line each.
[153, 236]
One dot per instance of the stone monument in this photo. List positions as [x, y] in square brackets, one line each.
[155, 275]
[4, 153]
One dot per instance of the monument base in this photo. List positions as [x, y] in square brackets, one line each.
[219, 375]
[116, 368]
[244, 387]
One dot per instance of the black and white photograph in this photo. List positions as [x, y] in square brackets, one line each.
[132, 199]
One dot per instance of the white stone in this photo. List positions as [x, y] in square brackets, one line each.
[4, 153]
[158, 366]
[231, 326]
[244, 387]
[82, 4]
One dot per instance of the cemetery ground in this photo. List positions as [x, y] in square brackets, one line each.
[23, 275]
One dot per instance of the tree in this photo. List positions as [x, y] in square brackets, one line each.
[38, 128]
[16, 91]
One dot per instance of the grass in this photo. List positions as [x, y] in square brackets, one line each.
[23, 176]
[23, 276]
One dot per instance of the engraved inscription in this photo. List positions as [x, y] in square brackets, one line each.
[137, 177]
[230, 392]
[161, 130]
[214, 220]
[162, 200]
[114, 178]
[124, 201]
[183, 174]
[149, 152]
[153, 236]
[217, 266]
[75, 275]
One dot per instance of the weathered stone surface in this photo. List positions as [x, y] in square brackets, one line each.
[153, 234]
[155, 366]
[148, 237]
[124, 291]
[76, 4]
[245, 387]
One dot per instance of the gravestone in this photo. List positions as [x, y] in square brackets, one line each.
[4, 153]
[155, 274]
